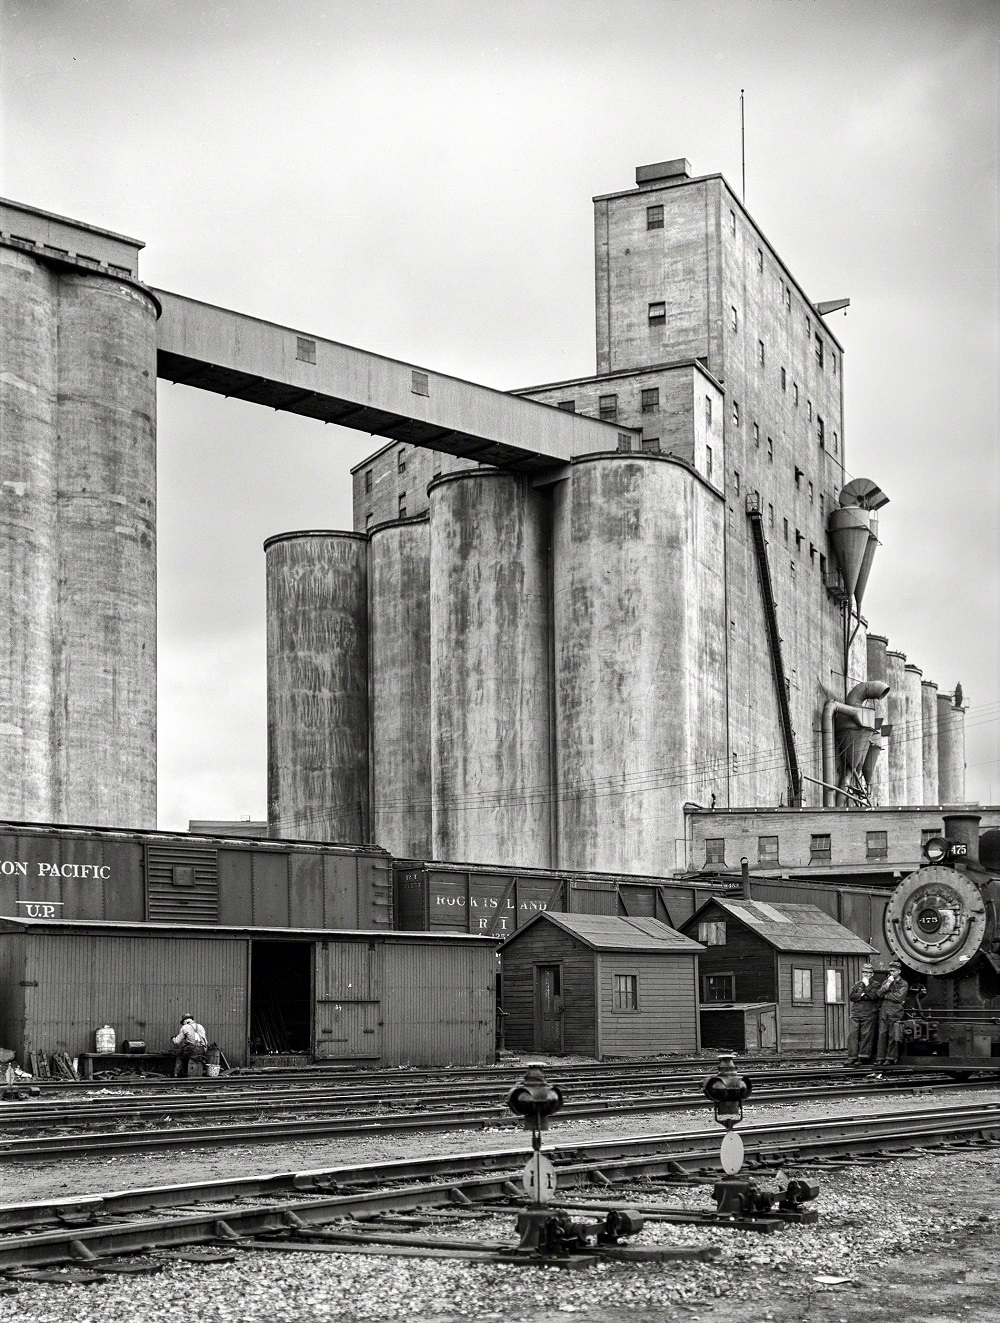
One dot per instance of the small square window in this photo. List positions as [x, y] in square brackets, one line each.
[756, 434]
[760, 259]
[607, 407]
[835, 987]
[658, 312]
[402, 504]
[626, 992]
[835, 443]
[568, 406]
[798, 539]
[784, 380]
[654, 218]
[369, 520]
[712, 932]
[708, 410]
[715, 850]
[760, 352]
[820, 431]
[736, 481]
[651, 400]
[770, 515]
[798, 476]
[819, 350]
[767, 849]
[785, 522]
[734, 319]
[708, 461]
[305, 350]
[809, 409]
[795, 389]
[770, 449]
[419, 383]
[718, 987]
[802, 984]
[877, 845]
[401, 462]
[819, 847]
[624, 443]
[736, 413]
[732, 222]
[368, 481]
[810, 493]
[651, 445]
[788, 297]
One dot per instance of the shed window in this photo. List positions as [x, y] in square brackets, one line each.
[607, 406]
[819, 847]
[784, 379]
[658, 313]
[368, 481]
[736, 413]
[756, 434]
[834, 987]
[715, 850]
[802, 984]
[760, 352]
[305, 350]
[651, 445]
[568, 406]
[718, 987]
[819, 350]
[708, 461]
[626, 992]
[734, 319]
[928, 834]
[419, 383]
[654, 218]
[651, 399]
[767, 849]
[402, 505]
[401, 461]
[708, 410]
[877, 843]
[712, 932]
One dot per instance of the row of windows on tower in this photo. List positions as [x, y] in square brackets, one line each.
[736, 418]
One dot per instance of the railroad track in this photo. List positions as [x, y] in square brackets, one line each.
[180, 1120]
[370, 1208]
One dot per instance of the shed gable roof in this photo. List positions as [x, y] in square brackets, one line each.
[791, 927]
[604, 932]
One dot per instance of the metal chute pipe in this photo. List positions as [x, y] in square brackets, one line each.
[867, 690]
[862, 718]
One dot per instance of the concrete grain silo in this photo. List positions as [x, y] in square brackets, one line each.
[929, 705]
[895, 678]
[951, 751]
[914, 734]
[399, 639]
[28, 550]
[876, 646]
[640, 639]
[490, 698]
[317, 686]
[105, 666]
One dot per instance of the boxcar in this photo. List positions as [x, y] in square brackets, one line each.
[53, 872]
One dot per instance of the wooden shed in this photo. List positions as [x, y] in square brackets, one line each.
[795, 956]
[599, 986]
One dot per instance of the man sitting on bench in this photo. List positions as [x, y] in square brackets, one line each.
[190, 1042]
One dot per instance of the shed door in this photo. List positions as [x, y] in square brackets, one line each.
[835, 986]
[348, 1000]
[768, 1029]
[548, 1008]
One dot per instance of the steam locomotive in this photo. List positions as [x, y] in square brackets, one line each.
[943, 922]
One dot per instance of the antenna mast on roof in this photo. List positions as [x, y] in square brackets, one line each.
[743, 149]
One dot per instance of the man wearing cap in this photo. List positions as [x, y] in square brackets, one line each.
[190, 1041]
[892, 995]
[864, 1017]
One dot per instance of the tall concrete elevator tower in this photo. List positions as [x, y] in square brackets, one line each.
[77, 525]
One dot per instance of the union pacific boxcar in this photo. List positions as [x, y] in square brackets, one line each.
[60, 873]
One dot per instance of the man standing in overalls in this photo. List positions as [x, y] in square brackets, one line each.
[864, 1017]
[892, 995]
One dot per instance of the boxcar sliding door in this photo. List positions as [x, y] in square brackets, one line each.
[348, 1000]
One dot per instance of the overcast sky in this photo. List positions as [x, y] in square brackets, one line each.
[415, 178]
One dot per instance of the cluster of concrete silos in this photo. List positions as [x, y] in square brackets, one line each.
[77, 546]
[923, 761]
[527, 674]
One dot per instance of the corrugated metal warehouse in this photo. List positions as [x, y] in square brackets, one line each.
[390, 999]
[600, 986]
